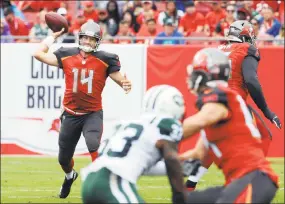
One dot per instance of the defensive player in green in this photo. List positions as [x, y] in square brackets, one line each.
[135, 147]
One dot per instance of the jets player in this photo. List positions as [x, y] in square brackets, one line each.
[135, 147]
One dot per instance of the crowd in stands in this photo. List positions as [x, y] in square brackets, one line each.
[133, 20]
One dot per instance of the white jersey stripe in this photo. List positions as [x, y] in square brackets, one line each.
[248, 119]
[126, 187]
[114, 186]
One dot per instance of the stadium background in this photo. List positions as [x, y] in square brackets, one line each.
[31, 91]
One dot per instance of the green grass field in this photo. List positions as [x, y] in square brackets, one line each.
[38, 180]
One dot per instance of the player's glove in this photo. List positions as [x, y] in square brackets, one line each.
[272, 117]
[277, 122]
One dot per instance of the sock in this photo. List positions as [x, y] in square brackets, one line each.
[193, 179]
[72, 162]
[69, 175]
[93, 155]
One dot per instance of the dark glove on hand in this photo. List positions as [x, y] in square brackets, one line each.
[272, 117]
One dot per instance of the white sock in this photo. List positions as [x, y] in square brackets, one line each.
[69, 175]
[195, 178]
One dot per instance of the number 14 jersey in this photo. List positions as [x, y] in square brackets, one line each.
[131, 150]
[85, 78]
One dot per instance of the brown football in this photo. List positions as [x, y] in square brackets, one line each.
[56, 22]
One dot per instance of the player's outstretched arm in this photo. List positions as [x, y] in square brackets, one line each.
[210, 114]
[249, 71]
[174, 170]
[122, 81]
[42, 52]
[199, 152]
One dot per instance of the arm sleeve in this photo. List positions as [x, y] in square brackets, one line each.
[114, 64]
[249, 71]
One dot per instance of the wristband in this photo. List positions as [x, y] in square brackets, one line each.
[48, 41]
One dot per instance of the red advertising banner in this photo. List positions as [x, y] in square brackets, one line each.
[167, 65]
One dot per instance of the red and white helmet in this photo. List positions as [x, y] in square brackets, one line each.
[241, 31]
[92, 29]
[209, 66]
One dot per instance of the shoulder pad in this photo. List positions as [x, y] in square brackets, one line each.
[67, 51]
[170, 127]
[216, 95]
[108, 58]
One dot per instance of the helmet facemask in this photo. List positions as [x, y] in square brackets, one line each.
[94, 44]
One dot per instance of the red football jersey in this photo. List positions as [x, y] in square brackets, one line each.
[234, 143]
[85, 78]
[237, 52]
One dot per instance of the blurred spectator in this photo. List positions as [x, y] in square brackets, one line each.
[17, 12]
[5, 32]
[113, 11]
[213, 18]
[192, 21]
[79, 21]
[63, 10]
[169, 31]
[246, 11]
[281, 11]
[124, 31]
[147, 9]
[269, 24]
[280, 38]
[223, 26]
[261, 38]
[129, 17]
[40, 30]
[89, 10]
[30, 6]
[180, 4]
[150, 28]
[256, 26]
[108, 26]
[69, 36]
[170, 12]
[17, 26]
[203, 7]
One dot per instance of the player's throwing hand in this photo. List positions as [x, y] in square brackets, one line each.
[126, 84]
[57, 34]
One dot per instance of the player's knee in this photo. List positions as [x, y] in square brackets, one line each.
[64, 160]
[92, 143]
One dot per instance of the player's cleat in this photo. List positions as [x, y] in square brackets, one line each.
[66, 186]
[190, 185]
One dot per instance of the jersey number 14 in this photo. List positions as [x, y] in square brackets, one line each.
[83, 79]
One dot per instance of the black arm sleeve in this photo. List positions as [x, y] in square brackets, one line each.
[249, 71]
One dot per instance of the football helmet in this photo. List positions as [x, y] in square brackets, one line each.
[241, 31]
[164, 99]
[92, 29]
[209, 66]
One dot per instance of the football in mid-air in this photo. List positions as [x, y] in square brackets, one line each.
[56, 22]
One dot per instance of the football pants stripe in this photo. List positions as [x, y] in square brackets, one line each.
[114, 186]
